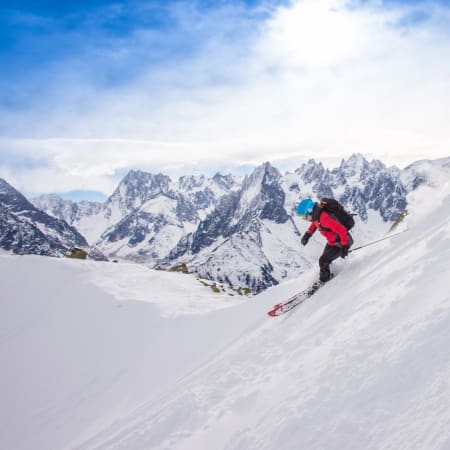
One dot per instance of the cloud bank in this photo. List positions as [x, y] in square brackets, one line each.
[189, 86]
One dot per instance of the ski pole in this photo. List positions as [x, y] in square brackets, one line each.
[375, 242]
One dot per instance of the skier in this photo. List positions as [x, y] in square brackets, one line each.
[338, 238]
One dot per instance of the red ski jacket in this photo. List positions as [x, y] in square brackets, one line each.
[333, 230]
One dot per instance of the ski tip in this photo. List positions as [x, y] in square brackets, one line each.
[272, 313]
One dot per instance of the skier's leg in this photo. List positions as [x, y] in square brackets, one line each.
[330, 253]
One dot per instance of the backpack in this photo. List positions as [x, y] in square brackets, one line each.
[337, 211]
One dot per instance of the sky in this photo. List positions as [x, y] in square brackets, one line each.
[92, 89]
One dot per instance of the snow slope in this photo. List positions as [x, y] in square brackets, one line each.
[103, 355]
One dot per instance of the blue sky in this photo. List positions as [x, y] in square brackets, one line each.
[91, 89]
[112, 43]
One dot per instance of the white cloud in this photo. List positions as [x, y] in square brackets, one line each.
[313, 34]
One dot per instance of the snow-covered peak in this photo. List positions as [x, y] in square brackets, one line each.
[135, 189]
[252, 187]
[377, 165]
[356, 165]
[27, 229]
[12, 198]
[54, 205]
[5, 187]
[51, 199]
[426, 171]
[143, 185]
[311, 171]
[227, 182]
[191, 182]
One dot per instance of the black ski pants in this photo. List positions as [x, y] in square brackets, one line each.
[330, 253]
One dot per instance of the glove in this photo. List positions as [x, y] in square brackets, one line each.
[344, 251]
[305, 238]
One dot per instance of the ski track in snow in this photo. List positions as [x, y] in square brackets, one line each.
[119, 357]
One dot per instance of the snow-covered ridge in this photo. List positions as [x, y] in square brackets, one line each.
[103, 355]
[26, 229]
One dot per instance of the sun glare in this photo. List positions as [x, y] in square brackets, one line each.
[314, 33]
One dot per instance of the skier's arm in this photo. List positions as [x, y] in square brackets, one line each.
[308, 233]
[312, 228]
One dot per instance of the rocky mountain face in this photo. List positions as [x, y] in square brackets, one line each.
[359, 185]
[67, 210]
[156, 213]
[240, 232]
[248, 239]
[25, 229]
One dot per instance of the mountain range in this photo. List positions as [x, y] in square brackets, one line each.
[240, 231]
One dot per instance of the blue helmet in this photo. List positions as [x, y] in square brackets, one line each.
[305, 208]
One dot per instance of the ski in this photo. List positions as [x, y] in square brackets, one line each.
[295, 300]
